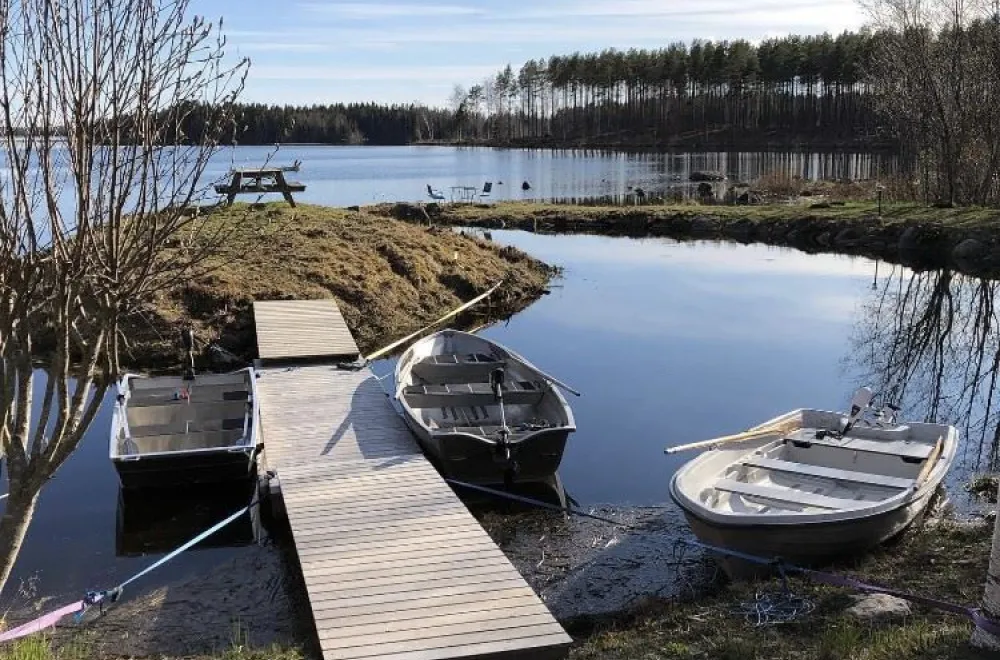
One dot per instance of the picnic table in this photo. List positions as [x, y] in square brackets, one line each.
[259, 181]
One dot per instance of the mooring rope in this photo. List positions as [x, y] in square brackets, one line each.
[783, 606]
[99, 598]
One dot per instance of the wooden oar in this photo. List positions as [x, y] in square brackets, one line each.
[454, 312]
[932, 460]
[555, 381]
[780, 428]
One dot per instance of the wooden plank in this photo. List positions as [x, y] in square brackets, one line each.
[406, 632]
[349, 619]
[396, 563]
[416, 606]
[333, 588]
[323, 602]
[416, 589]
[307, 548]
[428, 566]
[380, 650]
[394, 554]
[296, 328]
[537, 647]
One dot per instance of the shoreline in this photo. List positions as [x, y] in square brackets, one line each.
[913, 235]
[705, 143]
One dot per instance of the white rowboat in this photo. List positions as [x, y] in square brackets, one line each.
[812, 494]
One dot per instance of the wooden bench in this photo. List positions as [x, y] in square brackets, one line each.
[463, 395]
[829, 473]
[787, 495]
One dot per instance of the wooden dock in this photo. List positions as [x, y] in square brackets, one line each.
[395, 566]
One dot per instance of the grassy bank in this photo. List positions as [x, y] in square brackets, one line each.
[389, 277]
[942, 560]
[913, 234]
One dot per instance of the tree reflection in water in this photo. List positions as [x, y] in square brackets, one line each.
[930, 343]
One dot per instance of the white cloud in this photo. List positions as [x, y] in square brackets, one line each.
[373, 73]
[282, 47]
[731, 9]
[368, 11]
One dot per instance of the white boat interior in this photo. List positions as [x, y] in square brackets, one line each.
[813, 473]
[445, 381]
[167, 415]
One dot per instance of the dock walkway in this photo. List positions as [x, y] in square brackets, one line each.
[394, 564]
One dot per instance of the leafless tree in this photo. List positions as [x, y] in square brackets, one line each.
[937, 78]
[99, 174]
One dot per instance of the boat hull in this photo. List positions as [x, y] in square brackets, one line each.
[804, 544]
[467, 458]
[170, 471]
[169, 431]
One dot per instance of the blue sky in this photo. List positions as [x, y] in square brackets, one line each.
[323, 51]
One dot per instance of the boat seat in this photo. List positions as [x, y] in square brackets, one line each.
[238, 379]
[836, 474]
[787, 495]
[471, 394]
[152, 444]
[451, 368]
[202, 393]
[901, 448]
[187, 427]
[485, 431]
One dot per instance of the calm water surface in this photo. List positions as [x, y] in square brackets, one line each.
[342, 176]
[668, 342]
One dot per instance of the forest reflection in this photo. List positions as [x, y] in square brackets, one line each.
[930, 343]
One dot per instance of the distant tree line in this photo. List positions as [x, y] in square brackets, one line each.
[353, 123]
[809, 87]
[799, 86]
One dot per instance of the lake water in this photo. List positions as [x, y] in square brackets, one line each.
[343, 176]
[668, 342]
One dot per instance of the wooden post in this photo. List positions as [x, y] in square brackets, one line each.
[279, 178]
[234, 187]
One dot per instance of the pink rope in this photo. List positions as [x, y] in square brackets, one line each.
[41, 623]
